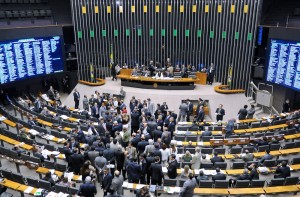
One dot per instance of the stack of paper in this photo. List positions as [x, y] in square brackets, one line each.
[64, 117]
[2, 118]
[164, 169]
[33, 132]
[51, 194]
[28, 190]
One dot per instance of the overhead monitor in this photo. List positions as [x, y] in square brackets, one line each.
[25, 58]
[284, 63]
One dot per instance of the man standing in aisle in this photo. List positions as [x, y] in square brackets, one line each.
[76, 98]
[220, 112]
[190, 110]
[183, 110]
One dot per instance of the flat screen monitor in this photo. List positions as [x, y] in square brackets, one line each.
[284, 63]
[25, 58]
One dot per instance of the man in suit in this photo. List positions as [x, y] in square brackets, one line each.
[95, 111]
[67, 152]
[219, 175]
[200, 103]
[106, 181]
[220, 112]
[206, 133]
[196, 159]
[190, 110]
[216, 158]
[92, 154]
[87, 189]
[80, 136]
[131, 150]
[156, 172]
[188, 187]
[210, 74]
[283, 170]
[116, 184]
[143, 166]
[150, 147]
[142, 145]
[92, 101]
[76, 96]
[100, 163]
[133, 172]
[242, 114]
[37, 105]
[183, 110]
[164, 107]
[77, 161]
[157, 133]
[172, 167]
[109, 154]
[171, 126]
[51, 94]
[151, 107]
[201, 114]
[135, 119]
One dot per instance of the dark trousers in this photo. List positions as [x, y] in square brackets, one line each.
[134, 129]
[188, 117]
[156, 182]
[76, 104]
[148, 178]
[219, 117]
[143, 180]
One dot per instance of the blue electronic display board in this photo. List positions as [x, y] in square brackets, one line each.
[25, 58]
[284, 63]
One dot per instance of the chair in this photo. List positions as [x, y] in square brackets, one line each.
[221, 165]
[275, 147]
[170, 182]
[244, 126]
[207, 165]
[186, 163]
[263, 148]
[269, 163]
[43, 13]
[73, 191]
[221, 184]
[221, 151]
[233, 136]
[269, 133]
[2, 14]
[181, 182]
[45, 185]
[217, 128]
[291, 181]
[257, 183]
[296, 160]
[238, 165]
[255, 124]
[179, 138]
[49, 164]
[235, 150]
[242, 183]
[36, 13]
[277, 182]
[29, 13]
[289, 145]
[191, 150]
[180, 150]
[60, 167]
[192, 75]
[62, 135]
[16, 14]
[249, 148]
[35, 160]
[7, 174]
[219, 137]
[25, 157]
[177, 75]
[264, 124]
[297, 144]
[192, 138]
[55, 133]
[4, 151]
[32, 182]
[205, 184]
[61, 188]
[206, 138]
[291, 131]
[17, 177]
[208, 151]
[49, 147]
[258, 135]
[283, 132]
[22, 13]
[281, 160]
[13, 154]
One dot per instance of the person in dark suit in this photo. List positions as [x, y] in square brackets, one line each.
[201, 114]
[229, 129]
[167, 119]
[220, 112]
[283, 170]
[149, 159]
[77, 161]
[243, 177]
[37, 105]
[143, 165]
[67, 152]
[95, 111]
[157, 133]
[200, 103]
[254, 173]
[141, 145]
[156, 172]
[87, 189]
[172, 167]
[76, 96]
[135, 120]
[133, 172]
[267, 156]
[109, 154]
[219, 175]
[216, 158]
[106, 181]
[243, 113]
[188, 187]
[80, 136]
[210, 74]
[286, 106]
[206, 133]
[190, 110]
[171, 126]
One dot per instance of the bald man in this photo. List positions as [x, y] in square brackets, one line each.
[116, 185]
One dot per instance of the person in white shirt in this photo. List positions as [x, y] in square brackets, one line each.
[165, 154]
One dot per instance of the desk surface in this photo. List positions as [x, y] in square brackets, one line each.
[150, 79]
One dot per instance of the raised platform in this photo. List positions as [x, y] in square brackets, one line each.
[163, 84]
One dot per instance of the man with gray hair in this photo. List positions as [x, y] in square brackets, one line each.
[196, 159]
[183, 110]
[116, 184]
[149, 148]
[87, 189]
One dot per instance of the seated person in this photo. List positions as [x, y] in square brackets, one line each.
[187, 157]
[204, 159]
[254, 173]
[243, 177]
[48, 177]
[190, 145]
[19, 151]
[246, 157]
[216, 158]
[267, 156]
[185, 172]
[177, 68]
[65, 182]
[202, 176]
[219, 175]
[206, 133]
[193, 69]
[283, 170]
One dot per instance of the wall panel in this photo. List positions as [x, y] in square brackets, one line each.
[195, 32]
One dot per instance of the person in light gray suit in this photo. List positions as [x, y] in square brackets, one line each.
[100, 163]
[151, 107]
[116, 184]
[149, 148]
[188, 187]
[183, 110]
[196, 159]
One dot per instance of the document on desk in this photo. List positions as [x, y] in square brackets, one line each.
[28, 190]
[2, 118]
[33, 132]
[139, 186]
[64, 117]
[125, 184]
[164, 169]
[130, 185]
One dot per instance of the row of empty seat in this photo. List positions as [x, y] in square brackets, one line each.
[23, 1]
[25, 13]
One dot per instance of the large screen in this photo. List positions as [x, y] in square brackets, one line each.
[284, 63]
[25, 58]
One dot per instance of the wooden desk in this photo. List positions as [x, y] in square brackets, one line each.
[15, 142]
[261, 154]
[234, 171]
[216, 191]
[201, 78]
[281, 189]
[280, 126]
[42, 170]
[289, 151]
[245, 191]
[295, 167]
[248, 120]
[10, 184]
